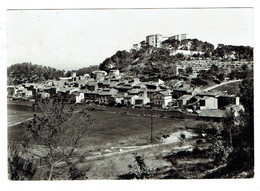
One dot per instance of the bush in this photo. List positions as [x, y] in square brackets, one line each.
[139, 171]
[19, 168]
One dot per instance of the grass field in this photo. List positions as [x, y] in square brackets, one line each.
[17, 112]
[113, 129]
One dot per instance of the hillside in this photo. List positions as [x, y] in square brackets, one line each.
[149, 62]
[189, 44]
[27, 72]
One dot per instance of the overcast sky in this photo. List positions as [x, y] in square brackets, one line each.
[72, 39]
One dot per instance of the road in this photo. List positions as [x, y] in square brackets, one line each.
[221, 84]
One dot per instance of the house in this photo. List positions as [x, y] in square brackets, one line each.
[151, 86]
[140, 101]
[206, 103]
[118, 98]
[92, 86]
[78, 96]
[129, 99]
[162, 98]
[104, 84]
[184, 100]
[226, 100]
[142, 98]
[178, 92]
[22, 92]
[122, 89]
[150, 93]
[51, 90]
[133, 91]
[91, 96]
[106, 96]
[99, 75]
[114, 74]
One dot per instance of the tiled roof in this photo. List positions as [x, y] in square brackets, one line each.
[185, 97]
[213, 113]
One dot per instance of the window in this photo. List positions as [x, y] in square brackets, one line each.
[202, 103]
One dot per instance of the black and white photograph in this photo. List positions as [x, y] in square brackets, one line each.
[130, 93]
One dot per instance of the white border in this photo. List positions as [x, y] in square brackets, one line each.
[120, 185]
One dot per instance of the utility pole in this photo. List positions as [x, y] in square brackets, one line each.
[151, 128]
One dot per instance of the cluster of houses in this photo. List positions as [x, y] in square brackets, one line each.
[114, 88]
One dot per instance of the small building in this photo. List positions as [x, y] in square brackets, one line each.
[91, 96]
[79, 97]
[225, 100]
[184, 100]
[177, 93]
[114, 73]
[162, 99]
[92, 86]
[22, 92]
[142, 98]
[130, 99]
[140, 101]
[206, 103]
[106, 96]
[99, 75]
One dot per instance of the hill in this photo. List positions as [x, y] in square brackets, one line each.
[149, 62]
[27, 72]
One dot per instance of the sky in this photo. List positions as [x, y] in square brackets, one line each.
[73, 39]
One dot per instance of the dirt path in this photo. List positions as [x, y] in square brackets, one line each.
[19, 122]
[173, 139]
[221, 84]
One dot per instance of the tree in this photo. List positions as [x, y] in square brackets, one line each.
[247, 100]
[139, 170]
[19, 168]
[188, 70]
[221, 76]
[59, 132]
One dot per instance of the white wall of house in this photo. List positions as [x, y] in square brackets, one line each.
[130, 100]
[210, 103]
[80, 97]
[161, 100]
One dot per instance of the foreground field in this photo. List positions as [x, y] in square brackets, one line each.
[114, 129]
[180, 148]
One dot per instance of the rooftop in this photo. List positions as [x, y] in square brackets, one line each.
[217, 113]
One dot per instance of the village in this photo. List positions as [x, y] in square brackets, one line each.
[116, 89]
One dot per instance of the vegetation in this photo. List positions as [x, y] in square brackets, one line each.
[233, 52]
[214, 74]
[82, 71]
[189, 44]
[240, 73]
[54, 138]
[139, 170]
[27, 72]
